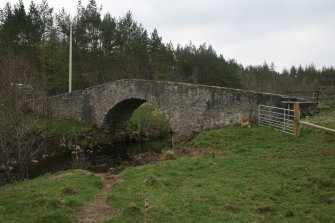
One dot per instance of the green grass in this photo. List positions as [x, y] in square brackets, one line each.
[51, 198]
[150, 119]
[326, 118]
[61, 126]
[244, 175]
[50, 124]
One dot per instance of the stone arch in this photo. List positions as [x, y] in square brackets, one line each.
[116, 119]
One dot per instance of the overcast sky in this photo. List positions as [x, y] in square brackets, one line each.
[285, 32]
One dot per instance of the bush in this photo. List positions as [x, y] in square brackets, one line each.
[169, 155]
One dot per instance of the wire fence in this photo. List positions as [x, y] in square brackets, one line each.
[324, 95]
[280, 119]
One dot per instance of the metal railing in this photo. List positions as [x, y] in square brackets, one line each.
[280, 119]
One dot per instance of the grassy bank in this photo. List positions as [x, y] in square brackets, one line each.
[51, 198]
[237, 175]
[61, 126]
[243, 175]
[148, 120]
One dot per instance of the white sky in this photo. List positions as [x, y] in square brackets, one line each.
[285, 32]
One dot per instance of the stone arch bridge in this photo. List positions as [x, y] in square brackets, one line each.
[189, 108]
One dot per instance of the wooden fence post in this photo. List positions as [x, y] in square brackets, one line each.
[296, 119]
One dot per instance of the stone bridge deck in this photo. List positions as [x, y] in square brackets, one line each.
[189, 108]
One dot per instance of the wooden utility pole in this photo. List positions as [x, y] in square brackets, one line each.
[296, 119]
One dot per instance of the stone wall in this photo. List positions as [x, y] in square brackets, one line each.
[189, 108]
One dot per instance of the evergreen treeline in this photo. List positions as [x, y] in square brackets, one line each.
[34, 43]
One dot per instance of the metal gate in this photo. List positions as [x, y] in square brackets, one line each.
[280, 119]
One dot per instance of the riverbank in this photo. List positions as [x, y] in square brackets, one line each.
[234, 174]
[91, 154]
[68, 144]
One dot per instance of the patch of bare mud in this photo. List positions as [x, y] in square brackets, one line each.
[98, 210]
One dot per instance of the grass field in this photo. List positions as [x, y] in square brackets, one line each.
[243, 175]
[47, 199]
[238, 175]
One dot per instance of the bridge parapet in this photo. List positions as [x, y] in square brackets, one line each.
[190, 108]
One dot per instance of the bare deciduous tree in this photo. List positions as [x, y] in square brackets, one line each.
[21, 137]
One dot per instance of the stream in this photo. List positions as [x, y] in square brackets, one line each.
[99, 159]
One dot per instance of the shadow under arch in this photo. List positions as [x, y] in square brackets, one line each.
[117, 118]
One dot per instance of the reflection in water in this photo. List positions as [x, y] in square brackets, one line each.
[98, 159]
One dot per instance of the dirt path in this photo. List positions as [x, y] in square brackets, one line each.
[98, 210]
